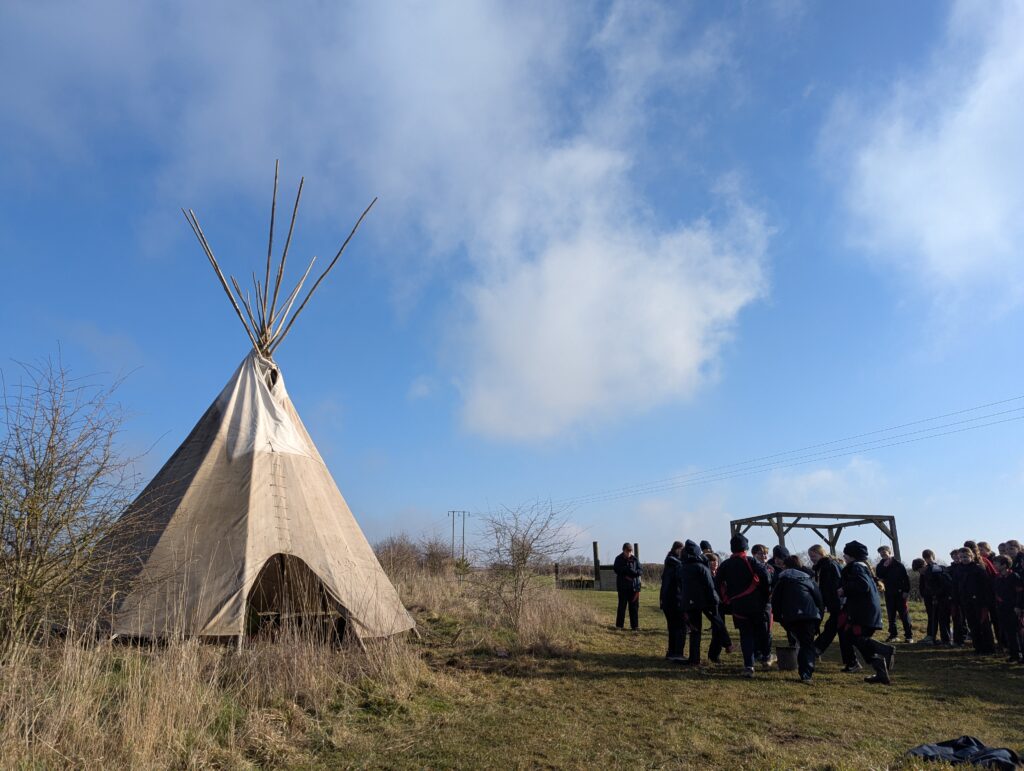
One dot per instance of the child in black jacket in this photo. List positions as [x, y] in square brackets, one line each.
[893, 576]
[1009, 591]
[827, 574]
[863, 612]
[975, 585]
[743, 586]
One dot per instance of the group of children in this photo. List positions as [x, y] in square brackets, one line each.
[979, 596]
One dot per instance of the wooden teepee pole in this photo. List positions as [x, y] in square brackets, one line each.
[284, 256]
[264, 316]
[194, 222]
[245, 304]
[290, 301]
[279, 339]
[259, 308]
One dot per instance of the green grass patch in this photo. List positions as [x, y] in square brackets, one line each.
[614, 701]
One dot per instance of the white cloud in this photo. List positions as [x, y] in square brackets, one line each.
[421, 387]
[933, 174]
[503, 134]
[607, 321]
[858, 487]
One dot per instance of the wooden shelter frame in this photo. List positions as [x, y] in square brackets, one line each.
[828, 527]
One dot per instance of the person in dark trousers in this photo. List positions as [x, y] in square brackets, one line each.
[798, 605]
[743, 587]
[1016, 554]
[827, 576]
[926, 597]
[672, 601]
[977, 601]
[1009, 592]
[720, 639]
[981, 556]
[894, 578]
[764, 651]
[699, 596]
[862, 613]
[627, 583]
[934, 584]
[957, 616]
[778, 563]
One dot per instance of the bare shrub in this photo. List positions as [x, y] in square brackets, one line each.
[63, 486]
[399, 555]
[435, 555]
[402, 557]
[519, 545]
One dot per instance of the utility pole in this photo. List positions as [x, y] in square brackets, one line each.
[464, 515]
[452, 515]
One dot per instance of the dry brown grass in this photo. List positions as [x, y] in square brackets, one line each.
[187, 703]
[283, 703]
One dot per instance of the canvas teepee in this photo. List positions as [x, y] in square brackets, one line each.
[244, 521]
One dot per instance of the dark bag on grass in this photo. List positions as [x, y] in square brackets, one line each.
[968, 751]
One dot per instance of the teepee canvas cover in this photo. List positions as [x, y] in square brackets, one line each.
[246, 503]
[245, 486]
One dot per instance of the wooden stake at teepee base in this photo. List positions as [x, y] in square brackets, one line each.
[268, 323]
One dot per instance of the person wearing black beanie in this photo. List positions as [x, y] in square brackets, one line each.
[738, 543]
[705, 546]
[857, 550]
[628, 575]
[863, 613]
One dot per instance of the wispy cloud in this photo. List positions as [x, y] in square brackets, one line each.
[933, 173]
[858, 487]
[503, 136]
[421, 387]
[113, 350]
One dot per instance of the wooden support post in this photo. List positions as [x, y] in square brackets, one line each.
[597, 567]
[636, 551]
[835, 540]
[895, 539]
[781, 531]
[820, 534]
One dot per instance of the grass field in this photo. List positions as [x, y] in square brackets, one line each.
[614, 701]
[572, 693]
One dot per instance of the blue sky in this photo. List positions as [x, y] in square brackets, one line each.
[615, 243]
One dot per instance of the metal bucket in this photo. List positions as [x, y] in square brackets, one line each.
[786, 657]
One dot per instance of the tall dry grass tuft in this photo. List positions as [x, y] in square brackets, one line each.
[189, 703]
[552, 621]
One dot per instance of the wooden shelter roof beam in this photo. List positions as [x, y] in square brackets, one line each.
[820, 534]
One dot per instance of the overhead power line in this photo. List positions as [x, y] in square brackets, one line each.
[816, 452]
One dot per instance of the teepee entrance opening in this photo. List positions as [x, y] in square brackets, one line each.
[289, 597]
